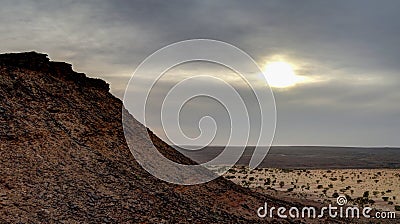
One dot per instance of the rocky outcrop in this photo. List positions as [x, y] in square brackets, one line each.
[40, 62]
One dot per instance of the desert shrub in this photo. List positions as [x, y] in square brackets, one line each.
[333, 179]
[390, 203]
[385, 198]
[281, 184]
[330, 185]
[245, 183]
[251, 179]
[366, 194]
[361, 201]
[287, 170]
[335, 195]
[397, 207]
[230, 177]
[290, 189]
[319, 186]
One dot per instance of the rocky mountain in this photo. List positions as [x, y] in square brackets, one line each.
[64, 158]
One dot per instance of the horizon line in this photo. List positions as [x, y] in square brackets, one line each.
[325, 146]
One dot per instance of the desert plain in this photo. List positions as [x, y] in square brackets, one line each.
[376, 188]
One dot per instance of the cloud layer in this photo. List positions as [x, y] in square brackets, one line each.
[351, 47]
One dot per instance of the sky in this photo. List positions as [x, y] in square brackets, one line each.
[347, 51]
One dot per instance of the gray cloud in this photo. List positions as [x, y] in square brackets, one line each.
[352, 46]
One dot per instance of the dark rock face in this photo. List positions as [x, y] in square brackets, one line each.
[64, 158]
[40, 62]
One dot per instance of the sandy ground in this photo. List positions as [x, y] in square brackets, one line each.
[377, 188]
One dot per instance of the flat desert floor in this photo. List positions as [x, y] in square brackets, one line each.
[377, 188]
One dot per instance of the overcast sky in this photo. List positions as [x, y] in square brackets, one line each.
[351, 49]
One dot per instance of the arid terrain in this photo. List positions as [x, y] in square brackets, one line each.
[320, 173]
[312, 157]
[377, 188]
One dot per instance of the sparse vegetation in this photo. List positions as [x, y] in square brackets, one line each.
[305, 183]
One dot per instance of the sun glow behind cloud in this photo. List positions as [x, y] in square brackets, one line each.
[280, 74]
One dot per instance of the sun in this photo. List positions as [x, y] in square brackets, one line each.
[280, 74]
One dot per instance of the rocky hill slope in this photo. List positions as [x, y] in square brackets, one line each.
[64, 158]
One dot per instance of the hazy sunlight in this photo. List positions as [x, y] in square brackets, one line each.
[280, 74]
